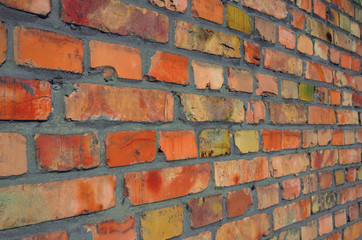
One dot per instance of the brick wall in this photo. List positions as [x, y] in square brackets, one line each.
[182, 119]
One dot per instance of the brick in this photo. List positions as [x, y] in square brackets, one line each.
[50, 50]
[265, 29]
[349, 137]
[319, 8]
[247, 140]
[324, 201]
[288, 164]
[275, 8]
[112, 229]
[282, 62]
[202, 108]
[340, 218]
[237, 202]
[237, 19]
[214, 142]
[67, 152]
[206, 40]
[325, 224]
[353, 212]
[333, 16]
[291, 213]
[349, 156]
[59, 235]
[334, 55]
[318, 72]
[334, 236]
[32, 6]
[117, 17]
[271, 140]
[325, 179]
[291, 189]
[67, 198]
[338, 137]
[319, 30]
[306, 92]
[173, 5]
[240, 80]
[268, 195]
[342, 79]
[205, 210]
[304, 44]
[351, 174]
[289, 89]
[356, 63]
[357, 99]
[207, 75]
[347, 117]
[297, 18]
[207, 235]
[305, 5]
[334, 97]
[24, 99]
[354, 231]
[267, 85]
[321, 49]
[322, 95]
[284, 113]
[291, 139]
[310, 183]
[211, 10]
[346, 98]
[359, 135]
[177, 145]
[343, 41]
[229, 173]
[131, 104]
[310, 138]
[130, 147]
[339, 175]
[168, 223]
[324, 136]
[355, 30]
[344, 22]
[291, 234]
[348, 194]
[169, 67]
[126, 60]
[309, 231]
[358, 82]
[320, 115]
[3, 43]
[13, 154]
[346, 61]
[253, 228]
[345, 6]
[255, 112]
[251, 52]
[323, 158]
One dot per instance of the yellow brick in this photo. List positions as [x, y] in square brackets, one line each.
[247, 141]
[238, 19]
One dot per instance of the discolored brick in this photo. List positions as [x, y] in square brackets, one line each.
[13, 159]
[211, 10]
[291, 189]
[265, 29]
[237, 19]
[173, 5]
[323, 158]
[288, 164]
[267, 85]
[207, 75]
[275, 8]
[247, 140]
[214, 142]
[284, 113]
[240, 80]
[324, 201]
[282, 62]
[309, 231]
[251, 52]
[237, 202]
[286, 37]
[268, 195]
[297, 18]
[205, 210]
[42, 7]
[59, 235]
[255, 112]
[289, 89]
[310, 183]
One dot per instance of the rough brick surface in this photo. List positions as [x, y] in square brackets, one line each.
[41, 7]
[13, 154]
[3, 42]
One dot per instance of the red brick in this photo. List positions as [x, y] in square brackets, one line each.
[356, 64]
[24, 99]
[323, 158]
[320, 115]
[178, 145]
[255, 112]
[173, 5]
[59, 235]
[268, 195]
[349, 156]
[291, 189]
[305, 44]
[345, 6]
[319, 8]
[291, 139]
[359, 135]
[282, 62]
[346, 60]
[42, 7]
[310, 138]
[116, 17]
[237, 202]
[310, 183]
[318, 72]
[305, 4]
[125, 60]
[267, 85]
[288, 164]
[353, 231]
[284, 113]
[338, 137]
[130, 147]
[162, 184]
[325, 179]
[211, 10]
[118, 104]
[353, 212]
[351, 174]
[240, 80]
[112, 230]
[275, 8]
[50, 50]
[324, 136]
[358, 82]
[297, 18]
[64, 199]
[334, 97]
[271, 140]
[347, 117]
[207, 75]
[67, 152]
[13, 154]
[265, 29]
[325, 224]
[340, 218]
[334, 55]
[291, 213]
[357, 99]
[205, 210]
[251, 52]
[3, 42]
[334, 236]
[229, 173]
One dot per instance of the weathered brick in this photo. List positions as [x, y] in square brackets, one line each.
[318, 29]
[173, 5]
[359, 135]
[265, 29]
[323, 158]
[342, 79]
[320, 115]
[112, 229]
[116, 17]
[238, 19]
[356, 64]
[357, 99]
[345, 6]
[351, 174]
[207, 75]
[334, 236]
[288, 164]
[356, 31]
[304, 44]
[291, 213]
[347, 98]
[306, 92]
[305, 5]
[339, 175]
[168, 224]
[178, 145]
[289, 89]
[3, 43]
[325, 179]
[346, 61]
[42, 7]
[214, 142]
[205, 210]
[253, 228]
[349, 137]
[202, 108]
[325, 224]
[240, 80]
[349, 156]
[291, 189]
[310, 183]
[353, 212]
[324, 136]
[321, 49]
[237, 202]
[319, 8]
[343, 41]
[67, 198]
[251, 52]
[162, 184]
[255, 112]
[348, 194]
[268, 195]
[286, 37]
[274, 8]
[192, 37]
[118, 104]
[13, 160]
[324, 201]
[310, 138]
[284, 113]
[169, 67]
[321, 94]
[291, 139]
[211, 10]
[340, 218]
[318, 72]
[282, 62]
[67, 152]
[309, 231]
[50, 50]
[247, 140]
[338, 137]
[297, 18]
[333, 16]
[267, 85]
[229, 173]
[207, 235]
[291, 234]
[59, 235]
[354, 231]
[345, 117]
[272, 140]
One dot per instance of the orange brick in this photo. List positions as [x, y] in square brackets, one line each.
[320, 115]
[282, 62]
[268, 195]
[310, 138]
[325, 179]
[173, 5]
[345, 6]
[59, 235]
[13, 154]
[318, 72]
[349, 156]
[237, 202]
[334, 236]
[338, 137]
[305, 45]
[333, 16]
[305, 4]
[43, 49]
[347, 117]
[274, 8]
[319, 8]
[321, 49]
[351, 174]
[42, 7]
[240, 80]
[3, 42]
[272, 140]
[267, 85]
[325, 224]
[291, 189]
[265, 29]
[286, 37]
[211, 10]
[323, 158]
[256, 112]
[207, 75]
[353, 212]
[251, 52]
[291, 139]
[297, 18]
[340, 218]
[334, 97]
[325, 136]
[356, 64]
[288, 164]
[346, 61]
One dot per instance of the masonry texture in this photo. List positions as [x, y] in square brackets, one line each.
[180, 119]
